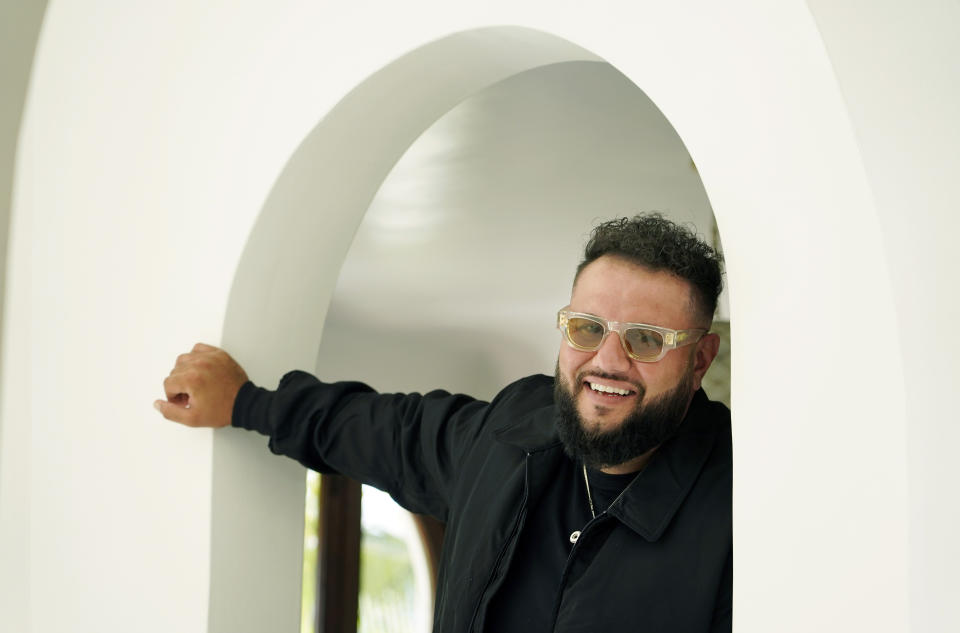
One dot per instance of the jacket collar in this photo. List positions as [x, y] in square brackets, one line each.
[652, 499]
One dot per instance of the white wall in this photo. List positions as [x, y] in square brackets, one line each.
[152, 140]
[898, 70]
[19, 26]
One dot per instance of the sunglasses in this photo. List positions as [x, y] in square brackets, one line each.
[642, 342]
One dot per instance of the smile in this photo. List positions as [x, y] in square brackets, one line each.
[613, 391]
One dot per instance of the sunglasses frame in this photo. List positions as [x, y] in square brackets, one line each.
[672, 339]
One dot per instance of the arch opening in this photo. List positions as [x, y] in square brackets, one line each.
[469, 246]
[490, 204]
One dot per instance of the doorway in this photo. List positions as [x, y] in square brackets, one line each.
[468, 248]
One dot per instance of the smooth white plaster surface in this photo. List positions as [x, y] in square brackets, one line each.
[899, 67]
[152, 138]
[19, 26]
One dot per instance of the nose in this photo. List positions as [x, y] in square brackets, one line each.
[611, 357]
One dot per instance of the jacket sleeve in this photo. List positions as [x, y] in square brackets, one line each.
[408, 445]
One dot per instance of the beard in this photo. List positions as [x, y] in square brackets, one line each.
[649, 425]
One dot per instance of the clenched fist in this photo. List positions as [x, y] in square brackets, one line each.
[202, 387]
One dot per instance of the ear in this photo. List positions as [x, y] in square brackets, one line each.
[706, 350]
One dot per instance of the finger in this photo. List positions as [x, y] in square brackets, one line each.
[182, 361]
[203, 347]
[177, 385]
[175, 412]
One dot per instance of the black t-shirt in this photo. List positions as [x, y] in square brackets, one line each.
[524, 603]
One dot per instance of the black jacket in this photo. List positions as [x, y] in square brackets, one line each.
[659, 559]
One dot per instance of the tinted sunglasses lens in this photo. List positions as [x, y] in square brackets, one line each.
[643, 344]
[585, 333]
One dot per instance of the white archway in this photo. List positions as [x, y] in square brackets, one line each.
[825, 134]
[280, 295]
[289, 268]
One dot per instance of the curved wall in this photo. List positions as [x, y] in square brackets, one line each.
[468, 248]
[152, 137]
[786, 288]
[19, 27]
[280, 295]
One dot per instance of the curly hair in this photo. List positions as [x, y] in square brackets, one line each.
[656, 243]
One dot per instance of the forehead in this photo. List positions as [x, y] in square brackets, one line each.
[619, 290]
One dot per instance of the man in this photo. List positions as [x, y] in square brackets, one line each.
[597, 500]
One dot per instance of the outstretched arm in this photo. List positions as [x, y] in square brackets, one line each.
[409, 445]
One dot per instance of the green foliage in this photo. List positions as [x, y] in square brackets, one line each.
[309, 592]
[386, 576]
[384, 565]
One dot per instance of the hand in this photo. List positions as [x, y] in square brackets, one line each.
[202, 387]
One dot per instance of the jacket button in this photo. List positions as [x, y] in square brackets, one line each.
[574, 536]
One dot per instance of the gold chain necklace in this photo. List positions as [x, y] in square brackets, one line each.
[593, 515]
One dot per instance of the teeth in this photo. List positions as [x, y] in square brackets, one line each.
[605, 389]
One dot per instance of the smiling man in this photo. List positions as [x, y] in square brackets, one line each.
[621, 396]
[597, 500]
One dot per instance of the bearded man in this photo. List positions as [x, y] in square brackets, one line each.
[596, 500]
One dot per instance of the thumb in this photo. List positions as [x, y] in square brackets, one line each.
[173, 411]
